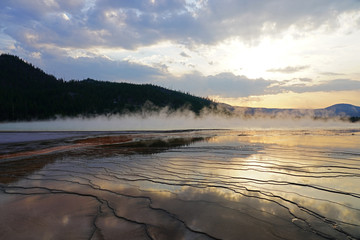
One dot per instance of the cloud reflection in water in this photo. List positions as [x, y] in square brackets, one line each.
[197, 185]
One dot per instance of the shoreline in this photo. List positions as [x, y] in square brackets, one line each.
[82, 143]
[43, 135]
[32, 143]
[19, 144]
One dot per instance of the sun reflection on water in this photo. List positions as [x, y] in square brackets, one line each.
[208, 185]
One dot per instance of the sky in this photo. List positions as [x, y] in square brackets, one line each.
[256, 53]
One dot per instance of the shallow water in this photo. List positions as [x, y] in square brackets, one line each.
[184, 185]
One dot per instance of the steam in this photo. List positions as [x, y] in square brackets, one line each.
[181, 119]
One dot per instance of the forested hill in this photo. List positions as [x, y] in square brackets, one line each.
[27, 93]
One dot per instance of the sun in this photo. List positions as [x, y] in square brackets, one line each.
[254, 60]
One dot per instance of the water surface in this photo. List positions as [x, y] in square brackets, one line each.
[183, 185]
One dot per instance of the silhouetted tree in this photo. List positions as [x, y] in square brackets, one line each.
[27, 92]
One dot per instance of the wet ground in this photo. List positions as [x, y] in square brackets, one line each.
[182, 185]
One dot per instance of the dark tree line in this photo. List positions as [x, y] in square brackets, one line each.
[354, 119]
[27, 93]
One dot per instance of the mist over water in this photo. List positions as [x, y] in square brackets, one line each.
[175, 121]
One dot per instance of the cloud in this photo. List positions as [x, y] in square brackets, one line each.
[131, 24]
[51, 33]
[223, 84]
[331, 74]
[328, 86]
[98, 68]
[288, 69]
[233, 86]
[305, 79]
[183, 54]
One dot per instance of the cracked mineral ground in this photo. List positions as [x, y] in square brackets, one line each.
[208, 184]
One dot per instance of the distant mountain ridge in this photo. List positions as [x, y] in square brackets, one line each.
[341, 110]
[344, 109]
[28, 93]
